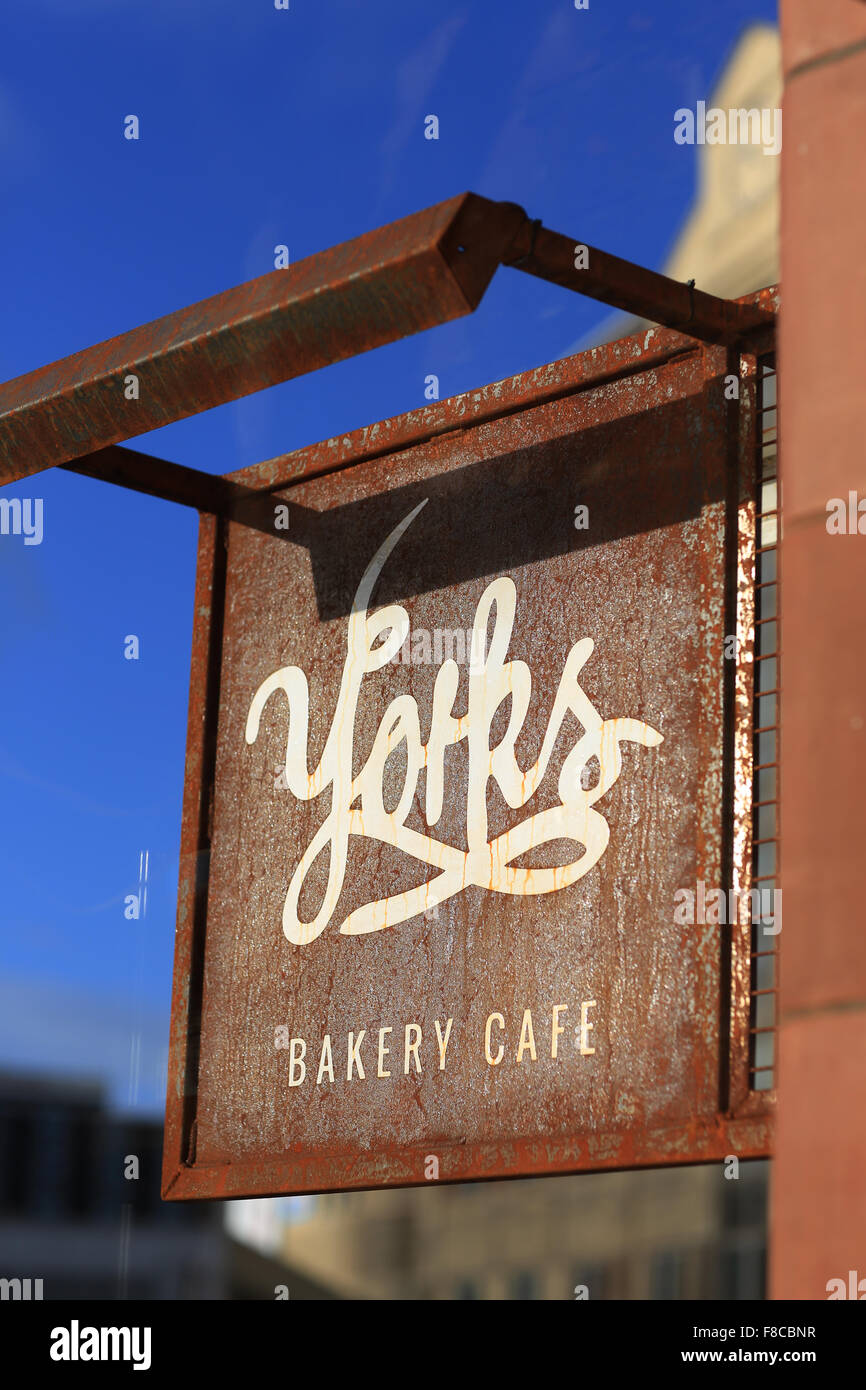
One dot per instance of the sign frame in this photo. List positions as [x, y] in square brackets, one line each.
[741, 1120]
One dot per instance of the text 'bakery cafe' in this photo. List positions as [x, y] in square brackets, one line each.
[495, 1046]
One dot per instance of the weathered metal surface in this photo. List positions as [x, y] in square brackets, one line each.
[280, 942]
[607, 363]
[396, 280]
[741, 1098]
[412, 274]
[743, 672]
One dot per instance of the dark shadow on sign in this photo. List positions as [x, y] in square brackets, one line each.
[639, 473]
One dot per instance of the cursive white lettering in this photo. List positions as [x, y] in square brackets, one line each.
[357, 803]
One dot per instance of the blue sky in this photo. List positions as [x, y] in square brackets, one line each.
[257, 127]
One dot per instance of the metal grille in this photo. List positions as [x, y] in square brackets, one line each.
[765, 793]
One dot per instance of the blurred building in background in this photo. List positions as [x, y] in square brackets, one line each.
[687, 1233]
[70, 1217]
[729, 243]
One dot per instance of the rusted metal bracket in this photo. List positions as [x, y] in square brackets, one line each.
[190, 487]
[645, 293]
[415, 273]
[385, 285]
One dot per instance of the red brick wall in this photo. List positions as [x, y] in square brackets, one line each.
[818, 1206]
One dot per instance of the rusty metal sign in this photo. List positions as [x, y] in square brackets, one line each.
[465, 725]
[461, 730]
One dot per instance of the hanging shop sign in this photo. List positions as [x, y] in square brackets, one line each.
[462, 736]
